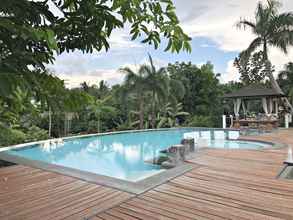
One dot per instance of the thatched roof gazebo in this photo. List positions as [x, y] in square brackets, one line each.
[270, 99]
[253, 93]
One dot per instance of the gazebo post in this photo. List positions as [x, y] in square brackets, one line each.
[276, 107]
[287, 120]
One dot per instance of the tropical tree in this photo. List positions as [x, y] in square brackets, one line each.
[272, 29]
[163, 88]
[137, 84]
[202, 88]
[170, 115]
[98, 107]
[158, 84]
[253, 69]
[30, 39]
[285, 80]
[50, 93]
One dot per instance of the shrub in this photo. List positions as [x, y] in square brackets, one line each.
[9, 136]
[35, 133]
[201, 121]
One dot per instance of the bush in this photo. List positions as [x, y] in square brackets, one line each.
[35, 133]
[201, 121]
[9, 136]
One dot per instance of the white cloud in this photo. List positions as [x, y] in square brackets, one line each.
[76, 68]
[216, 21]
[111, 76]
[231, 73]
[279, 59]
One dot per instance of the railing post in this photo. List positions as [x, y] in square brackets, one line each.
[224, 122]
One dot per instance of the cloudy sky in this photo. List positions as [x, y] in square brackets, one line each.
[210, 23]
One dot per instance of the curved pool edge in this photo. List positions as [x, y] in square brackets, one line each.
[274, 145]
[12, 147]
[124, 185]
[138, 187]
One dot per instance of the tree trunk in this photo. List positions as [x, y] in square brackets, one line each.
[99, 123]
[50, 122]
[141, 113]
[153, 114]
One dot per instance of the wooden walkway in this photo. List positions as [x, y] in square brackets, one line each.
[224, 184]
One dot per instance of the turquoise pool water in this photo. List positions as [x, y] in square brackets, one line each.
[121, 156]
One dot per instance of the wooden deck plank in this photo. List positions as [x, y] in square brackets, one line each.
[172, 212]
[71, 205]
[133, 214]
[103, 203]
[39, 191]
[29, 193]
[120, 215]
[39, 204]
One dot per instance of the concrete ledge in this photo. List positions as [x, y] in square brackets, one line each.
[123, 185]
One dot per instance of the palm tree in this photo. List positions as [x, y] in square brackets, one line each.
[158, 84]
[50, 92]
[137, 83]
[162, 88]
[98, 107]
[271, 29]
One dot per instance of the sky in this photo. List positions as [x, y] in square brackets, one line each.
[215, 38]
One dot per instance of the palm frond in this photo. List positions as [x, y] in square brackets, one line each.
[162, 122]
[243, 24]
[252, 47]
[152, 63]
[282, 40]
[145, 70]
[273, 6]
[260, 11]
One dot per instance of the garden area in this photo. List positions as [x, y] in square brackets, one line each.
[35, 104]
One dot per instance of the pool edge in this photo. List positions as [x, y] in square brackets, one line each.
[138, 187]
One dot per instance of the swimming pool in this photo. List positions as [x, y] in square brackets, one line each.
[121, 155]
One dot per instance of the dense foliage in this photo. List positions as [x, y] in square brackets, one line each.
[285, 80]
[33, 32]
[35, 104]
[253, 69]
[180, 94]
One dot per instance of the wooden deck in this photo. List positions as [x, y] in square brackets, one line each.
[28, 193]
[224, 184]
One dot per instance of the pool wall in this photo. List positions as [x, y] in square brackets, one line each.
[127, 186]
